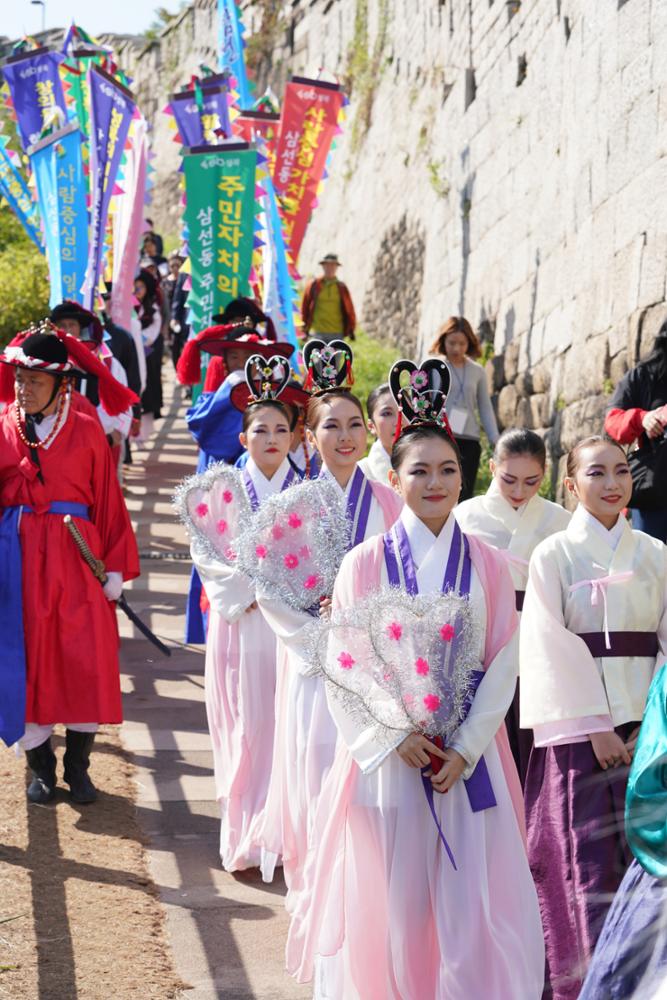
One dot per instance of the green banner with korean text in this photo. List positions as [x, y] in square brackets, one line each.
[220, 218]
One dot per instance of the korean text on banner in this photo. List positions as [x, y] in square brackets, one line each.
[201, 118]
[308, 125]
[15, 191]
[231, 48]
[58, 167]
[220, 216]
[111, 109]
[37, 93]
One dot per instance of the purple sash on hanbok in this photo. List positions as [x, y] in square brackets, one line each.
[252, 492]
[358, 507]
[401, 572]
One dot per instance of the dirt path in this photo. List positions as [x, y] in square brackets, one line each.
[125, 900]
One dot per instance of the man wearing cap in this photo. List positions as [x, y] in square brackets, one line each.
[326, 309]
[59, 661]
[84, 325]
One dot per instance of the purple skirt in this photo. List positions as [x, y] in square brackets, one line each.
[577, 853]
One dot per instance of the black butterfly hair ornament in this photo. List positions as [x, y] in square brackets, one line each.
[329, 366]
[266, 377]
[421, 398]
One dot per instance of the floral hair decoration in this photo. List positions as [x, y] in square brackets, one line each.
[422, 395]
[329, 366]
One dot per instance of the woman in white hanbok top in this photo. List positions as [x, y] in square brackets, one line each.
[594, 627]
[240, 672]
[382, 416]
[514, 518]
[410, 894]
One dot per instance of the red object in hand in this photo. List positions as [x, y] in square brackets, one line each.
[436, 762]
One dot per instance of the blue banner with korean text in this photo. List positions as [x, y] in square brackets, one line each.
[33, 78]
[14, 190]
[57, 164]
[231, 48]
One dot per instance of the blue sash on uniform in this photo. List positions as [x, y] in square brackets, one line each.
[13, 665]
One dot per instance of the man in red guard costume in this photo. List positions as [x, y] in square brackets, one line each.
[58, 625]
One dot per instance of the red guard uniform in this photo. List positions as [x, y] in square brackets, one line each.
[71, 637]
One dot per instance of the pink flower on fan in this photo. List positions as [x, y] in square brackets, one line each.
[261, 551]
[294, 521]
[431, 702]
[386, 676]
[346, 661]
[422, 666]
[201, 509]
[228, 496]
[447, 633]
[230, 554]
[394, 631]
[221, 527]
[409, 700]
[304, 552]
[277, 531]
[311, 582]
[291, 561]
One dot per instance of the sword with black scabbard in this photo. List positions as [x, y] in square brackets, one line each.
[96, 567]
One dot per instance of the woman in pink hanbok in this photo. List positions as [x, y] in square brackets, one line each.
[417, 883]
[305, 732]
[240, 671]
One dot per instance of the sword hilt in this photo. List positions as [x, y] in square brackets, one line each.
[96, 566]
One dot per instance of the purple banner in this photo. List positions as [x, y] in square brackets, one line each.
[111, 110]
[201, 116]
[37, 92]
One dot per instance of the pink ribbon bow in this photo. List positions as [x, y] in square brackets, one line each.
[599, 589]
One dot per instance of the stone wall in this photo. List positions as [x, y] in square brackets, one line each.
[503, 160]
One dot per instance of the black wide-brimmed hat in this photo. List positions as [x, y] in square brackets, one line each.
[55, 352]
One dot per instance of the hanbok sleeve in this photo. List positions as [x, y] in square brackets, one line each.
[109, 513]
[289, 625]
[229, 591]
[662, 627]
[215, 424]
[363, 742]
[489, 707]
[559, 677]
[646, 799]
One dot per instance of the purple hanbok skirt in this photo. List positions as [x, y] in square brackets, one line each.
[577, 853]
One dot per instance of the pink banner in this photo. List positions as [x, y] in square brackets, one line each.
[129, 224]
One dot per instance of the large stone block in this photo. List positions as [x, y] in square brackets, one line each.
[508, 401]
[580, 419]
[585, 369]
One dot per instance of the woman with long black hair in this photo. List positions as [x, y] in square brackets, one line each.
[148, 322]
[469, 403]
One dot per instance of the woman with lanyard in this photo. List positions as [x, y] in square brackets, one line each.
[469, 395]
[593, 631]
[417, 882]
[240, 670]
[305, 733]
[60, 640]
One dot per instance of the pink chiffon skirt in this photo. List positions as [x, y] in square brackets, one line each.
[383, 915]
[240, 681]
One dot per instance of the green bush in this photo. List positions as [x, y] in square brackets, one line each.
[24, 281]
[24, 278]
